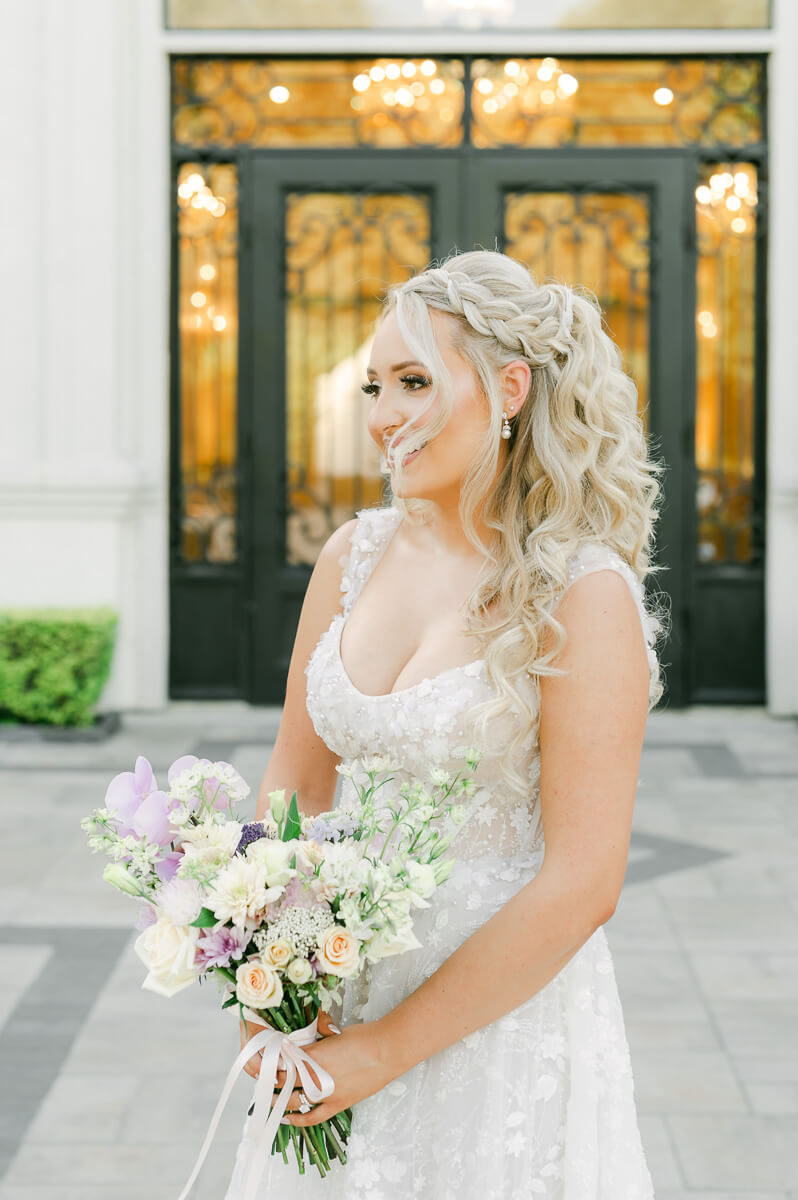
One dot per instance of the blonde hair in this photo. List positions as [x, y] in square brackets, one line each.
[578, 467]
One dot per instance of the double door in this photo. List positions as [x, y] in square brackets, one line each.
[324, 236]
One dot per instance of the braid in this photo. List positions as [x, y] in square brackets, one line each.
[538, 339]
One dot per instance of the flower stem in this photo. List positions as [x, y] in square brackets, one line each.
[335, 1146]
[297, 1143]
[312, 1151]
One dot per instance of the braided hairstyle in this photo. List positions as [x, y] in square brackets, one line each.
[578, 466]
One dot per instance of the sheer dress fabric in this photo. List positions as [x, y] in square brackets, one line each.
[538, 1105]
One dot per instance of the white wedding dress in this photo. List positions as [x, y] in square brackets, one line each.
[538, 1105]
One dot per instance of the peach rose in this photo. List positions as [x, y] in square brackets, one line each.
[277, 953]
[258, 985]
[338, 952]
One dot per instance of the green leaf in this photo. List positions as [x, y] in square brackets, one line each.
[205, 919]
[293, 827]
[227, 1003]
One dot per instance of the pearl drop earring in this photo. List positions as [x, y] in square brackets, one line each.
[506, 430]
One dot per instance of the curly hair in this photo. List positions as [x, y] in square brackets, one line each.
[578, 467]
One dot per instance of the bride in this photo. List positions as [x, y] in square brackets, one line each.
[497, 603]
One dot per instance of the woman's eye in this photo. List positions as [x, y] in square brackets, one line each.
[419, 380]
[370, 389]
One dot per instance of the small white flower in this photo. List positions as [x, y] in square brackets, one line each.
[298, 971]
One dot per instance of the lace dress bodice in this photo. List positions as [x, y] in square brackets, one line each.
[424, 725]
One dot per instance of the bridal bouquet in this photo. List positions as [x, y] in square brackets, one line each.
[280, 910]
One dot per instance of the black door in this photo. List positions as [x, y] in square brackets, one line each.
[328, 233]
[621, 224]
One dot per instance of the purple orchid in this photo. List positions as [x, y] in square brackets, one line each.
[139, 807]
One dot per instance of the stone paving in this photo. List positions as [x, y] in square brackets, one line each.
[107, 1090]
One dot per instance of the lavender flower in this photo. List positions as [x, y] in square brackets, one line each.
[251, 832]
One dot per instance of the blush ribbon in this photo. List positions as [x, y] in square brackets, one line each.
[280, 1051]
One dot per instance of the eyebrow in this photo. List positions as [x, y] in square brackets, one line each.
[397, 366]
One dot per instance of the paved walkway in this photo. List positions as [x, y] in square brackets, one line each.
[102, 1084]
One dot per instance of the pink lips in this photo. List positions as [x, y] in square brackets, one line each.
[408, 457]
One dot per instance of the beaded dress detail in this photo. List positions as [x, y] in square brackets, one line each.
[538, 1105]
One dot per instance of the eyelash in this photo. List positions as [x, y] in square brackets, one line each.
[371, 389]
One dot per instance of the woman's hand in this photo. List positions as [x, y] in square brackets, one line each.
[248, 1030]
[358, 1062]
[356, 1058]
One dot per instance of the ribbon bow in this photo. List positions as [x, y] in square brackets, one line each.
[280, 1050]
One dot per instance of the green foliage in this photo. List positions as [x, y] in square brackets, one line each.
[205, 919]
[293, 826]
[54, 663]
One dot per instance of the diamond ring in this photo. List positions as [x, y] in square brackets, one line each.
[304, 1104]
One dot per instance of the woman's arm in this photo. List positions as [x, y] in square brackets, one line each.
[592, 726]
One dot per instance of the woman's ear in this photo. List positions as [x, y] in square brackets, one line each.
[516, 380]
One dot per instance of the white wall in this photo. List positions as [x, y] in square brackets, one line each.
[84, 266]
[83, 313]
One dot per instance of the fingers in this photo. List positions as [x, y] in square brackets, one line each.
[325, 1024]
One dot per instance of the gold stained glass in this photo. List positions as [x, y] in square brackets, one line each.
[207, 197]
[601, 241]
[402, 102]
[343, 249]
[619, 102]
[726, 212]
[381, 102]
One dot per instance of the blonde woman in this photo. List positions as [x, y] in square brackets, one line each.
[497, 603]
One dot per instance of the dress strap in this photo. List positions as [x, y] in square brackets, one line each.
[369, 539]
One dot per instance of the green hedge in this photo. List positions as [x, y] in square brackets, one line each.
[54, 663]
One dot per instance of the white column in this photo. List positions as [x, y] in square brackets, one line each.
[84, 415]
[781, 591]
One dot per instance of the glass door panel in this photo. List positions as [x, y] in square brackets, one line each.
[329, 235]
[729, 520]
[342, 250]
[600, 240]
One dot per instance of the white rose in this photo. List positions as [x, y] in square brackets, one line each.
[338, 952]
[386, 944]
[299, 970]
[168, 951]
[258, 985]
[277, 953]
